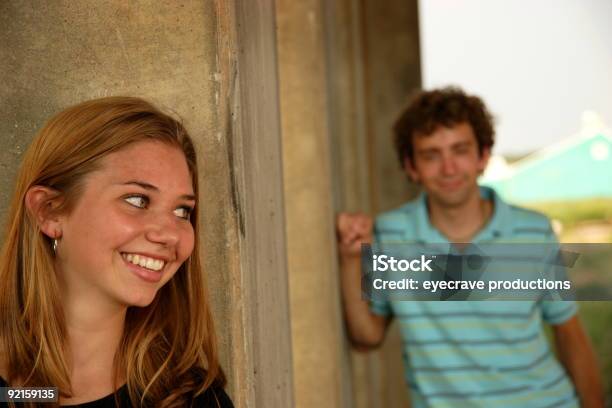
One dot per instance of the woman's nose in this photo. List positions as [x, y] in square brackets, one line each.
[163, 229]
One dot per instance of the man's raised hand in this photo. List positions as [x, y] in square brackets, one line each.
[353, 229]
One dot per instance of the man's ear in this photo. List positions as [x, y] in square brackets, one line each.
[42, 203]
[485, 155]
[410, 170]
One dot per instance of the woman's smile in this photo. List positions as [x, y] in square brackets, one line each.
[147, 268]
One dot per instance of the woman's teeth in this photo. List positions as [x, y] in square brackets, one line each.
[144, 261]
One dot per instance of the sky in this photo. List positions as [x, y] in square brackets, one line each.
[538, 64]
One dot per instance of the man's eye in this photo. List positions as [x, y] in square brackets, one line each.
[183, 212]
[137, 201]
[429, 156]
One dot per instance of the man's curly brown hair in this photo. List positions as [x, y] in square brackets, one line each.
[447, 107]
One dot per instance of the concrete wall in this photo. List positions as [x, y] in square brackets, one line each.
[316, 321]
[392, 72]
[392, 61]
[58, 53]
[374, 64]
[263, 330]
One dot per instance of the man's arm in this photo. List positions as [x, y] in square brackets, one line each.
[366, 329]
[577, 355]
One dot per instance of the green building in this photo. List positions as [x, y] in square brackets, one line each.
[576, 168]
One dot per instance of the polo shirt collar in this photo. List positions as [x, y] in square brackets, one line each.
[496, 228]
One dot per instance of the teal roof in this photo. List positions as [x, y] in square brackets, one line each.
[576, 168]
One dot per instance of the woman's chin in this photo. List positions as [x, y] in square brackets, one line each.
[139, 299]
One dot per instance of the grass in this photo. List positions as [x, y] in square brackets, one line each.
[597, 320]
[571, 213]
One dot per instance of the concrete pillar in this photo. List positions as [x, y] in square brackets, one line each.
[374, 58]
[351, 171]
[392, 72]
[260, 189]
[392, 61]
[316, 321]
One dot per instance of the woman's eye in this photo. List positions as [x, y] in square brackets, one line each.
[137, 201]
[183, 212]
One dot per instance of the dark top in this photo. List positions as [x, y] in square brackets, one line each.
[213, 397]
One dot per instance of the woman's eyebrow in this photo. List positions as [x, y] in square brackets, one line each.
[149, 186]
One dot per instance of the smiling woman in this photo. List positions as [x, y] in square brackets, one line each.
[102, 292]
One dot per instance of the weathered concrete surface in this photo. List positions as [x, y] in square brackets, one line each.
[59, 53]
[316, 320]
[260, 190]
[351, 172]
[392, 71]
[346, 92]
[373, 49]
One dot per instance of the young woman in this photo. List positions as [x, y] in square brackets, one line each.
[102, 292]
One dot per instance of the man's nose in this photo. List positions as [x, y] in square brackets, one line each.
[449, 166]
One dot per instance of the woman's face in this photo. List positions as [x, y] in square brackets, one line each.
[129, 231]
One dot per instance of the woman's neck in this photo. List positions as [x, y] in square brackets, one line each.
[94, 329]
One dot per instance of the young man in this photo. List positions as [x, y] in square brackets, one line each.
[460, 354]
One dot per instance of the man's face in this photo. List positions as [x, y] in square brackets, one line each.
[447, 164]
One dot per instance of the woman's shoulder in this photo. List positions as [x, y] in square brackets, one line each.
[213, 397]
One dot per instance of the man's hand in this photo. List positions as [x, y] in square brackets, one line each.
[353, 230]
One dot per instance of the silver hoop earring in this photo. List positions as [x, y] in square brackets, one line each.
[55, 245]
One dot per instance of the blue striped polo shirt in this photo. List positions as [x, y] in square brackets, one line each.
[478, 353]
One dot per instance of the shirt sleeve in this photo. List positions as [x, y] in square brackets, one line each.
[380, 307]
[557, 311]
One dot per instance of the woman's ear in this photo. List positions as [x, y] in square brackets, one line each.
[42, 203]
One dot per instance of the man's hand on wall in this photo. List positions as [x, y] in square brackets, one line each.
[353, 229]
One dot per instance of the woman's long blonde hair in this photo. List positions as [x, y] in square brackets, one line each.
[168, 351]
